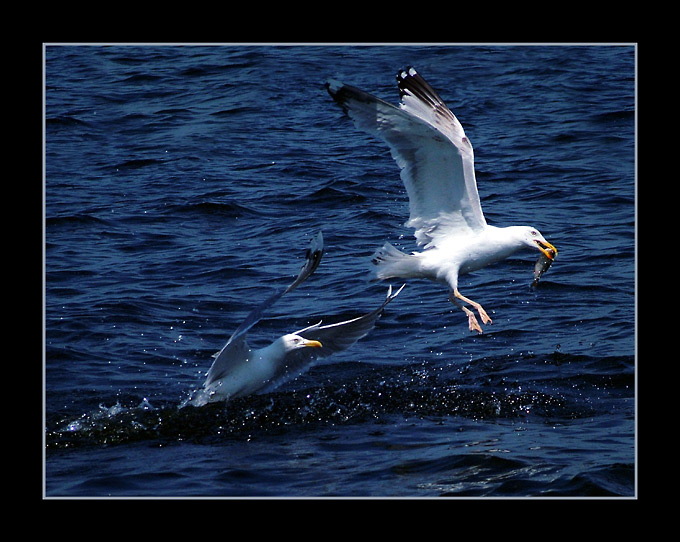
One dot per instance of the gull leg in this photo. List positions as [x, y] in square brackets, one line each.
[480, 309]
[472, 321]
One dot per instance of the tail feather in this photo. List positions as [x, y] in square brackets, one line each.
[391, 262]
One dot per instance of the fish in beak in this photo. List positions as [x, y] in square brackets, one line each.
[547, 249]
[544, 260]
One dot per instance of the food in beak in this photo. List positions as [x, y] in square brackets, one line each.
[547, 249]
[543, 263]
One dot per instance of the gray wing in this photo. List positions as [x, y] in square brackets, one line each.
[430, 147]
[236, 350]
[333, 338]
[232, 354]
[340, 336]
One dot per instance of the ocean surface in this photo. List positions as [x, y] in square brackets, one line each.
[182, 185]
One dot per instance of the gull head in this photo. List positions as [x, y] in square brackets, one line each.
[533, 238]
[293, 342]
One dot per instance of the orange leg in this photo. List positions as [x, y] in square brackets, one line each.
[472, 321]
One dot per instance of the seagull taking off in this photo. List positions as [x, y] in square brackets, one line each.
[239, 370]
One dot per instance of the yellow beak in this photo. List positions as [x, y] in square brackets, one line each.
[313, 344]
[549, 250]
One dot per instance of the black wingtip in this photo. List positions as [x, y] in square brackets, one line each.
[347, 96]
[403, 78]
[411, 82]
[408, 71]
[334, 88]
[313, 257]
[340, 94]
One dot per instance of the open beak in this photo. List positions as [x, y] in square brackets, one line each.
[313, 344]
[547, 249]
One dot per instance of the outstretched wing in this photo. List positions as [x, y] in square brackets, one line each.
[340, 336]
[429, 144]
[236, 350]
[333, 338]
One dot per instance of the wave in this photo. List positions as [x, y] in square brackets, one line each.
[356, 393]
[82, 218]
[210, 208]
[136, 163]
[65, 120]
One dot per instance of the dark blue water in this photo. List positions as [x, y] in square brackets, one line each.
[183, 185]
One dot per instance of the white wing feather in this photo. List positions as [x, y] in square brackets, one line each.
[429, 144]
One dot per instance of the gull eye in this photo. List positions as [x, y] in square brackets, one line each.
[534, 233]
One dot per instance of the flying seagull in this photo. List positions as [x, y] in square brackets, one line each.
[239, 370]
[437, 167]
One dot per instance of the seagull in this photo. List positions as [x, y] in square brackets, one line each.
[437, 167]
[238, 370]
